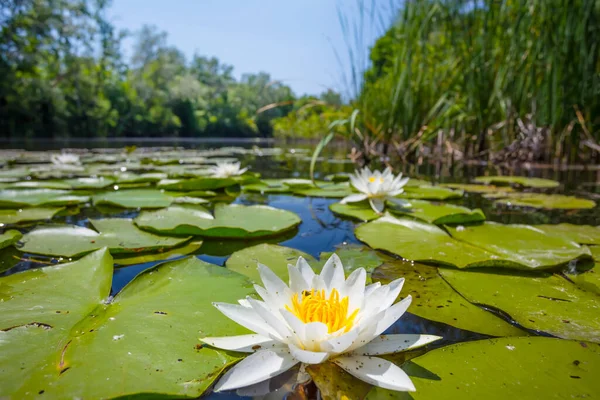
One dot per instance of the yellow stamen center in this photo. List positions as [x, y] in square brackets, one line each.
[373, 179]
[314, 306]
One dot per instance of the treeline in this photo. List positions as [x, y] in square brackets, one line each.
[64, 75]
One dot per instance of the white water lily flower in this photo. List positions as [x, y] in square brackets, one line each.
[65, 159]
[377, 187]
[315, 319]
[226, 169]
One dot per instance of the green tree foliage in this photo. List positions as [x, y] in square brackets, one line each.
[63, 75]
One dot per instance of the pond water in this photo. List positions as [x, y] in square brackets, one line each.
[320, 230]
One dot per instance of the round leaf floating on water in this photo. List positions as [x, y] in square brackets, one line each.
[522, 244]
[188, 185]
[500, 369]
[9, 237]
[582, 234]
[118, 234]
[146, 338]
[537, 183]
[438, 213]
[39, 197]
[136, 198]
[89, 183]
[473, 188]
[429, 192]
[14, 216]
[436, 300]
[229, 221]
[545, 201]
[543, 302]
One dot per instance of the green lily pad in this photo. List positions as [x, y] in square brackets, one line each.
[361, 211]
[169, 254]
[230, 221]
[39, 197]
[419, 241]
[582, 234]
[473, 188]
[509, 246]
[537, 183]
[9, 237]
[438, 213]
[335, 384]
[430, 193]
[326, 189]
[149, 177]
[188, 185]
[435, 300]
[120, 235]
[273, 256]
[542, 302]
[523, 244]
[39, 185]
[135, 198]
[14, 216]
[588, 280]
[264, 188]
[144, 342]
[545, 201]
[595, 250]
[89, 183]
[499, 369]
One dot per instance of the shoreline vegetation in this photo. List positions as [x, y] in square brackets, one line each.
[453, 81]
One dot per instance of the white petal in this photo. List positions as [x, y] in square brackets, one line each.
[333, 272]
[243, 343]
[369, 289]
[359, 183]
[255, 368]
[298, 283]
[305, 269]
[341, 343]
[314, 334]
[395, 288]
[355, 289]
[377, 372]
[377, 204]
[387, 344]
[276, 323]
[308, 357]
[297, 326]
[353, 198]
[271, 281]
[392, 315]
[270, 385]
[248, 318]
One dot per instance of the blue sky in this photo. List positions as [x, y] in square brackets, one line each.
[294, 41]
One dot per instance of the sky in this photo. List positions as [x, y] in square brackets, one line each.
[294, 41]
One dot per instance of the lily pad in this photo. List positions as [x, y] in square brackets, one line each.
[582, 234]
[145, 341]
[39, 197]
[525, 245]
[438, 213]
[9, 237]
[537, 183]
[473, 188]
[230, 221]
[275, 257]
[541, 302]
[510, 246]
[355, 256]
[545, 201]
[169, 254]
[494, 369]
[334, 383]
[430, 193]
[588, 280]
[326, 189]
[188, 185]
[137, 198]
[15, 216]
[361, 211]
[39, 185]
[120, 235]
[89, 183]
[435, 300]
[149, 177]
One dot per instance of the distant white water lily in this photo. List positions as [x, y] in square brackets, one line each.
[314, 319]
[226, 169]
[377, 187]
[65, 159]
